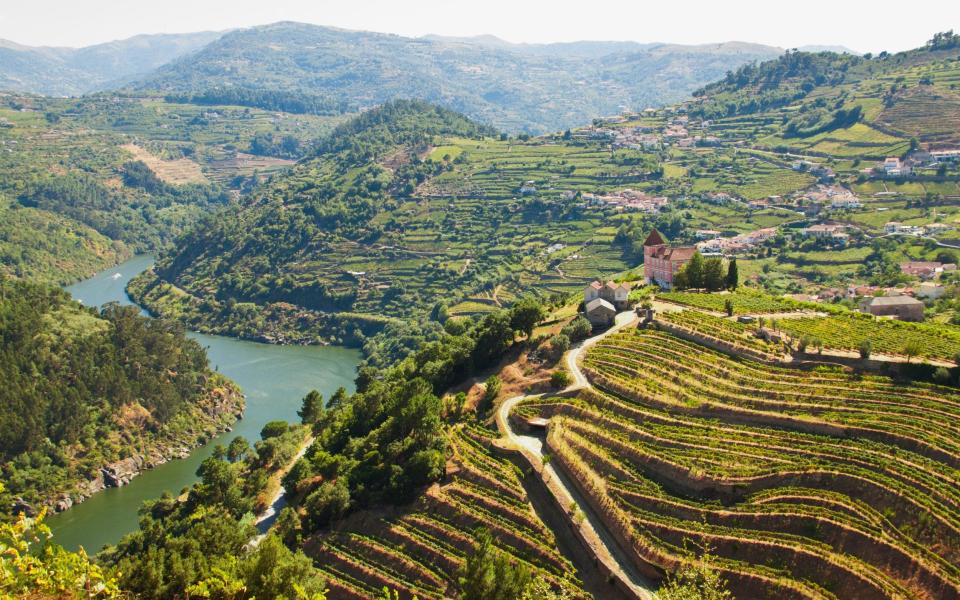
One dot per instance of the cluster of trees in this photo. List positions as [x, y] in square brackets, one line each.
[387, 440]
[410, 123]
[34, 567]
[68, 372]
[284, 101]
[134, 214]
[268, 144]
[199, 546]
[816, 122]
[788, 78]
[945, 40]
[707, 274]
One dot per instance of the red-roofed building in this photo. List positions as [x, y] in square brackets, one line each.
[662, 261]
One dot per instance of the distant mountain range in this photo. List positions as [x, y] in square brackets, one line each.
[74, 71]
[515, 87]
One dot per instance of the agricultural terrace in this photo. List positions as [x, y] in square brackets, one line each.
[849, 330]
[912, 96]
[805, 484]
[737, 337]
[744, 300]
[421, 551]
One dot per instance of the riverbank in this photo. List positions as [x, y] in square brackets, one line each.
[215, 413]
[273, 379]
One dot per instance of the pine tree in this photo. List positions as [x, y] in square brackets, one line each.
[733, 276]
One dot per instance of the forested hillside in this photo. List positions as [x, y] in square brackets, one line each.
[90, 398]
[513, 87]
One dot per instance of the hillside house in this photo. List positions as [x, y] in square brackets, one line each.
[894, 167]
[661, 261]
[600, 313]
[903, 308]
[826, 231]
[616, 294]
[926, 269]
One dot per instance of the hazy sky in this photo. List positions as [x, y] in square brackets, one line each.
[860, 25]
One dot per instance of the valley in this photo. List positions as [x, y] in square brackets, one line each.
[332, 330]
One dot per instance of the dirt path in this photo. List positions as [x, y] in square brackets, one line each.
[591, 528]
[268, 517]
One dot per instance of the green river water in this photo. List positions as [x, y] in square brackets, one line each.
[274, 379]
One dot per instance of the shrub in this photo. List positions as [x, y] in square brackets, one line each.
[941, 376]
[865, 349]
[558, 345]
[559, 380]
[578, 329]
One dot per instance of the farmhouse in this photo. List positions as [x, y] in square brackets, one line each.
[661, 262]
[615, 294]
[904, 308]
[826, 230]
[600, 313]
[926, 269]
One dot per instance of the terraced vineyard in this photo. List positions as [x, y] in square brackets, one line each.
[731, 334]
[745, 301]
[421, 551]
[848, 331]
[805, 484]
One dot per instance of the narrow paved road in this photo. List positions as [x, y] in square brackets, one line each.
[268, 517]
[592, 528]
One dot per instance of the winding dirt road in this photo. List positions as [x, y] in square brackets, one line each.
[591, 527]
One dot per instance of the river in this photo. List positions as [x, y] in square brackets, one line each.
[274, 379]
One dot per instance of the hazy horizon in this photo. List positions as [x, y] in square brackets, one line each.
[819, 23]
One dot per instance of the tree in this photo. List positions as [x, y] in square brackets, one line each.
[274, 429]
[733, 275]
[338, 398]
[440, 312]
[276, 572]
[866, 348]
[327, 503]
[238, 449]
[728, 307]
[490, 574]
[525, 314]
[713, 279]
[694, 581]
[311, 409]
[31, 566]
[494, 336]
[695, 271]
[578, 329]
